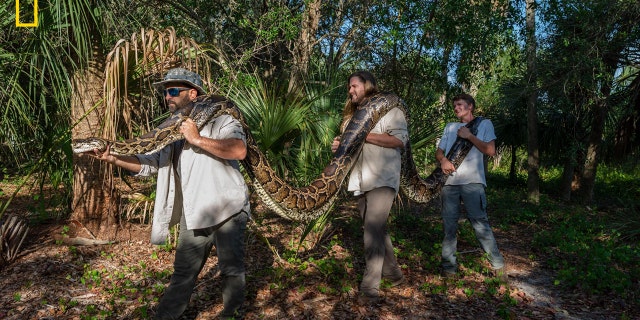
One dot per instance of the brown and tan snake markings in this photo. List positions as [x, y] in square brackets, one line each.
[295, 203]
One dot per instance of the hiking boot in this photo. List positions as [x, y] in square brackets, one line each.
[501, 274]
[369, 296]
[366, 299]
[396, 281]
[448, 274]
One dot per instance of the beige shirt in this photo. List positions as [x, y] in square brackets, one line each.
[378, 166]
[208, 189]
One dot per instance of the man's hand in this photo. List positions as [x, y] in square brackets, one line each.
[335, 144]
[446, 166]
[464, 132]
[103, 155]
[189, 129]
[130, 163]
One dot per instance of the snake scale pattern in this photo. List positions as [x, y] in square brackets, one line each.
[295, 203]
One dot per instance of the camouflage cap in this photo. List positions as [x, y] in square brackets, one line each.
[181, 75]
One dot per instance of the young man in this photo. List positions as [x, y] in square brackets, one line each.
[467, 183]
[199, 186]
[375, 181]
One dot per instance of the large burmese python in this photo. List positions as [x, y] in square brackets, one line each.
[295, 203]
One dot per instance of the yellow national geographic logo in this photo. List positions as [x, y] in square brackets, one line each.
[35, 15]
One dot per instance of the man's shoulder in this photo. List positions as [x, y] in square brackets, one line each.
[483, 119]
[225, 119]
[396, 111]
[485, 122]
[453, 124]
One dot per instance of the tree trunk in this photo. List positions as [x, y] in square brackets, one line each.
[444, 72]
[426, 35]
[593, 153]
[627, 134]
[94, 204]
[303, 47]
[567, 178]
[533, 160]
[592, 158]
[512, 166]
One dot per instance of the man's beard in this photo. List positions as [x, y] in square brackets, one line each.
[175, 106]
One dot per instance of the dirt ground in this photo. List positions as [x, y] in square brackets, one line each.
[124, 279]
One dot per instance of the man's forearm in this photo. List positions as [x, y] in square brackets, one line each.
[130, 163]
[440, 155]
[229, 149]
[384, 140]
[487, 148]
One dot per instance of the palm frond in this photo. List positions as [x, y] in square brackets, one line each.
[286, 126]
[132, 65]
[35, 67]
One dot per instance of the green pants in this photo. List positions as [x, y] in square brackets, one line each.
[194, 247]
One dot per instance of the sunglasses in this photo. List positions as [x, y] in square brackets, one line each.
[174, 92]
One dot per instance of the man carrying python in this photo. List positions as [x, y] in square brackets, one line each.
[199, 185]
[295, 203]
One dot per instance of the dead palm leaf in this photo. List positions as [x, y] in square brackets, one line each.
[132, 66]
[13, 231]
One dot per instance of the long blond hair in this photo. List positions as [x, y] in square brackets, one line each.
[370, 88]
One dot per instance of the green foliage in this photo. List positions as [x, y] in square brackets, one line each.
[37, 65]
[91, 277]
[433, 289]
[92, 312]
[120, 286]
[294, 130]
[318, 226]
[619, 182]
[603, 240]
[285, 127]
[582, 237]
[468, 292]
[510, 203]
[167, 246]
[330, 267]
[276, 24]
[583, 93]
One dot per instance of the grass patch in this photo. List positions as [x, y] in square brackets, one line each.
[592, 248]
[605, 262]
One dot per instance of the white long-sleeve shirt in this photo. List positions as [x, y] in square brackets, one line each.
[208, 189]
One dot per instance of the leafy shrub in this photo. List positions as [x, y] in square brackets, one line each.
[588, 255]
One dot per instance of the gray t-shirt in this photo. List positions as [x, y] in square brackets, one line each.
[472, 168]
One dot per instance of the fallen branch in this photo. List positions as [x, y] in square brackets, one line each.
[80, 241]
